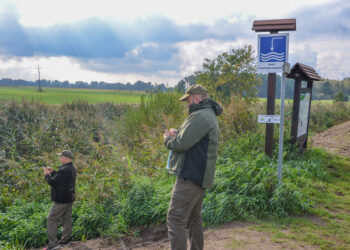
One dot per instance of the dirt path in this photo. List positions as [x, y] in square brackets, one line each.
[335, 140]
[234, 235]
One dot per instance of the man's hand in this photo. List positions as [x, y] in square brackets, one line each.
[172, 133]
[47, 170]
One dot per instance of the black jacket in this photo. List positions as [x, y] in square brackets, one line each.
[62, 183]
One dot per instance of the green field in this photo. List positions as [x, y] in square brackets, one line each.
[290, 101]
[59, 95]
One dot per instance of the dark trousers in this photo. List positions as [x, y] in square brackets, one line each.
[185, 212]
[63, 213]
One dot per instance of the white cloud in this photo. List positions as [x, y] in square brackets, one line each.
[65, 68]
[333, 59]
[192, 54]
[44, 12]
[303, 53]
[162, 50]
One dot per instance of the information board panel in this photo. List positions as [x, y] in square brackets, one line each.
[303, 113]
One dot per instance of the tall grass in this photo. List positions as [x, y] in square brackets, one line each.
[323, 116]
[122, 184]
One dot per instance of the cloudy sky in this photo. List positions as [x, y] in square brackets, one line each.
[158, 40]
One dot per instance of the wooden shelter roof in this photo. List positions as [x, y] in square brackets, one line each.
[305, 72]
[274, 25]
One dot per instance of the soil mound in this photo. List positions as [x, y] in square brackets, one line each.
[335, 140]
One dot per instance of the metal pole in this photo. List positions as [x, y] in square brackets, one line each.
[280, 148]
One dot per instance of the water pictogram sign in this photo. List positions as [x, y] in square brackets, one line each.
[272, 52]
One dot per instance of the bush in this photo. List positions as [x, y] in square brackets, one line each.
[140, 129]
[90, 219]
[144, 204]
[323, 116]
[246, 184]
[236, 119]
[24, 223]
[340, 97]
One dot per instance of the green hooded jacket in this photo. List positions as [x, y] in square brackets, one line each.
[194, 149]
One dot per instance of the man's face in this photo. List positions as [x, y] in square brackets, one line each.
[64, 159]
[193, 99]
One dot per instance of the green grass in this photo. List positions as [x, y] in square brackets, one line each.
[328, 224]
[59, 95]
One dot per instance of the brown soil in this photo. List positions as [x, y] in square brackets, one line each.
[234, 235]
[335, 140]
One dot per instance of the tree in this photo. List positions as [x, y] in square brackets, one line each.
[181, 86]
[190, 80]
[230, 73]
[340, 97]
[327, 90]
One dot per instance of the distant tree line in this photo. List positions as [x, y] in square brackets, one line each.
[210, 75]
[137, 86]
[322, 90]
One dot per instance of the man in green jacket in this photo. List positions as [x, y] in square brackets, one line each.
[194, 151]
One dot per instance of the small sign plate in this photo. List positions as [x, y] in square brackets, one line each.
[269, 119]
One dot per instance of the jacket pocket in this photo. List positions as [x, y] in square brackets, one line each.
[176, 162]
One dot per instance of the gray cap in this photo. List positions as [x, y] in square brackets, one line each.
[193, 90]
[66, 153]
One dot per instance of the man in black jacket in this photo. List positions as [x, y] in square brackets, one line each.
[62, 184]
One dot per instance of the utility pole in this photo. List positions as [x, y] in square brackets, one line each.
[39, 85]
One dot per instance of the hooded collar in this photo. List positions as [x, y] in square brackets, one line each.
[67, 164]
[206, 103]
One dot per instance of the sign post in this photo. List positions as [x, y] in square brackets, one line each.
[286, 70]
[272, 59]
[272, 26]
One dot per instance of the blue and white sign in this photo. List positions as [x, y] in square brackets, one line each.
[272, 52]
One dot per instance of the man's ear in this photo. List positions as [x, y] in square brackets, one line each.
[198, 98]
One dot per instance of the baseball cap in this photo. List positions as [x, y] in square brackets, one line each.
[66, 153]
[194, 89]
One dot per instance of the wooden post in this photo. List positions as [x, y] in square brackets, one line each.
[296, 108]
[270, 110]
[309, 86]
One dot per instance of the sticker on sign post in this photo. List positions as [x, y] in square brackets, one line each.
[272, 52]
[268, 119]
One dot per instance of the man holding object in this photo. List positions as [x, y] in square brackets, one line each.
[62, 184]
[193, 158]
